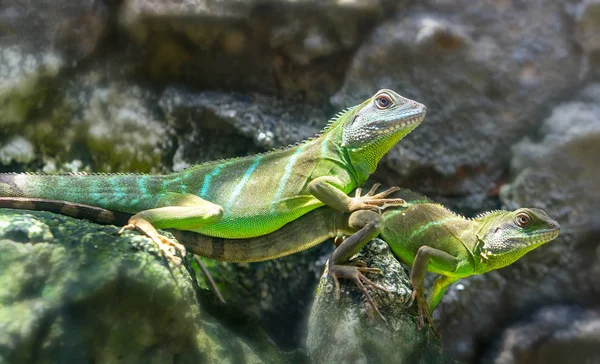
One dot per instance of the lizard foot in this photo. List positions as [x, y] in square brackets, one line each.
[376, 202]
[423, 313]
[354, 273]
[166, 245]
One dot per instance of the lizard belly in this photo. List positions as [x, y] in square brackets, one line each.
[259, 219]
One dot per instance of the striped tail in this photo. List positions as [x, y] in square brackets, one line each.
[79, 211]
[301, 234]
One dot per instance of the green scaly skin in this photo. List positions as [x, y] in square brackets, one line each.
[423, 234]
[242, 197]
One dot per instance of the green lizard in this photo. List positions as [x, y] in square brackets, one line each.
[423, 234]
[241, 197]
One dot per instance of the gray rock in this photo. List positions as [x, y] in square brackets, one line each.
[258, 45]
[268, 121]
[17, 149]
[72, 29]
[350, 331]
[587, 18]
[73, 291]
[553, 335]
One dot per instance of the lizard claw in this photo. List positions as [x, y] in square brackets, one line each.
[354, 273]
[168, 246]
[418, 294]
[375, 202]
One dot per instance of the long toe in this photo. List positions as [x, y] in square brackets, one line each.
[126, 227]
[373, 189]
[175, 244]
[387, 192]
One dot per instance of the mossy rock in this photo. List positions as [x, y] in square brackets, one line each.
[73, 291]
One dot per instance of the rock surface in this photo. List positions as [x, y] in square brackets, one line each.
[72, 291]
[553, 335]
[350, 331]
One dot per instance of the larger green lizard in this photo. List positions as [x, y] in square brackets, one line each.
[423, 234]
[243, 197]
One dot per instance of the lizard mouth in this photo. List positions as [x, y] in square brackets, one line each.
[542, 237]
[409, 121]
[531, 241]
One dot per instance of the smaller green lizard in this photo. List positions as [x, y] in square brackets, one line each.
[424, 234]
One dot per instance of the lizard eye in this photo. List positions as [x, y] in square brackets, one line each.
[522, 219]
[383, 101]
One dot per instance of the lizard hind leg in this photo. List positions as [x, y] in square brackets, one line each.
[176, 211]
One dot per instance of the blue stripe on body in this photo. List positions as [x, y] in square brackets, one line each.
[206, 184]
[245, 178]
[287, 173]
[141, 182]
[118, 192]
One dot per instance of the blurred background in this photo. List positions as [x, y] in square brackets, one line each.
[513, 119]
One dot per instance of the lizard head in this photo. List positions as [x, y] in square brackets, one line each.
[372, 128]
[508, 235]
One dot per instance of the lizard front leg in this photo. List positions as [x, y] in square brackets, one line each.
[181, 211]
[339, 265]
[417, 275]
[328, 190]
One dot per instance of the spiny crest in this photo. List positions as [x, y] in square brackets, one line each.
[327, 127]
[487, 214]
[333, 120]
[74, 174]
[450, 211]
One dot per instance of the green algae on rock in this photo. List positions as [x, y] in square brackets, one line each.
[73, 291]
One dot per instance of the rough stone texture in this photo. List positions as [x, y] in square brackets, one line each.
[553, 335]
[73, 291]
[559, 173]
[587, 17]
[268, 121]
[350, 331]
[264, 45]
[18, 150]
[25, 80]
[99, 118]
[71, 28]
[118, 122]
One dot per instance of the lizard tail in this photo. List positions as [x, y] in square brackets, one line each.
[80, 211]
[129, 193]
[306, 232]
